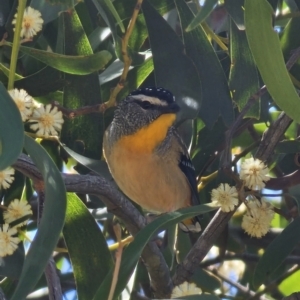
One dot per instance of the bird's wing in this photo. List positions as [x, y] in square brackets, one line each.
[186, 166]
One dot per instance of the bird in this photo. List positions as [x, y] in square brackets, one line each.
[146, 156]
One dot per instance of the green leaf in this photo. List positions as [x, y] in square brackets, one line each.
[243, 78]
[202, 14]
[71, 64]
[133, 251]
[50, 9]
[115, 14]
[169, 57]
[51, 222]
[290, 284]
[85, 131]
[135, 78]
[276, 252]
[206, 281]
[290, 41]
[5, 71]
[98, 166]
[82, 235]
[11, 130]
[208, 142]
[45, 81]
[265, 48]
[288, 147]
[216, 98]
[235, 8]
[11, 265]
[109, 18]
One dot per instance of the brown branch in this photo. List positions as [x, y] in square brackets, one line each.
[72, 113]
[53, 281]
[242, 289]
[284, 182]
[120, 206]
[201, 247]
[272, 136]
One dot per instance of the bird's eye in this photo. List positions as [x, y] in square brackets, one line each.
[146, 104]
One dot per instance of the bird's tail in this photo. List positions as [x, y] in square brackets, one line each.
[191, 225]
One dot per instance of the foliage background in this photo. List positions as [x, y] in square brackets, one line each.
[213, 63]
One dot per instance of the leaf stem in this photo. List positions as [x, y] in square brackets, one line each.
[16, 44]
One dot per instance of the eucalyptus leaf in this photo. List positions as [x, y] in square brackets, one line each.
[276, 252]
[202, 14]
[265, 47]
[168, 58]
[83, 235]
[11, 130]
[48, 231]
[71, 64]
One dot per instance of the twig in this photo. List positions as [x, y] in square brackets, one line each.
[244, 152]
[124, 242]
[2, 295]
[284, 182]
[246, 257]
[126, 58]
[117, 230]
[53, 282]
[244, 290]
[201, 247]
[72, 113]
[272, 136]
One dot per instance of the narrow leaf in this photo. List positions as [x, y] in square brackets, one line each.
[51, 222]
[71, 64]
[173, 69]
[83, 235]
[98, 166]
[243, 78]
[202, 14]
[265, 48]
[11, 130]
[216, 98]
[236, 10]
[87, 131]
[276, 252]
[11, 265]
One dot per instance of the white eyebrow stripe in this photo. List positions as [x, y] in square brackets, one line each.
[152, 100]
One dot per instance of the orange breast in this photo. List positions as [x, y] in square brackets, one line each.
[156, 184]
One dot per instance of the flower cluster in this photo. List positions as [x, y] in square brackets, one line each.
[45, 120]
[185, 289]
[225, 196]
[8, 241]
[32, 23]
[6, 178]
[256, 221]
[254, 173]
